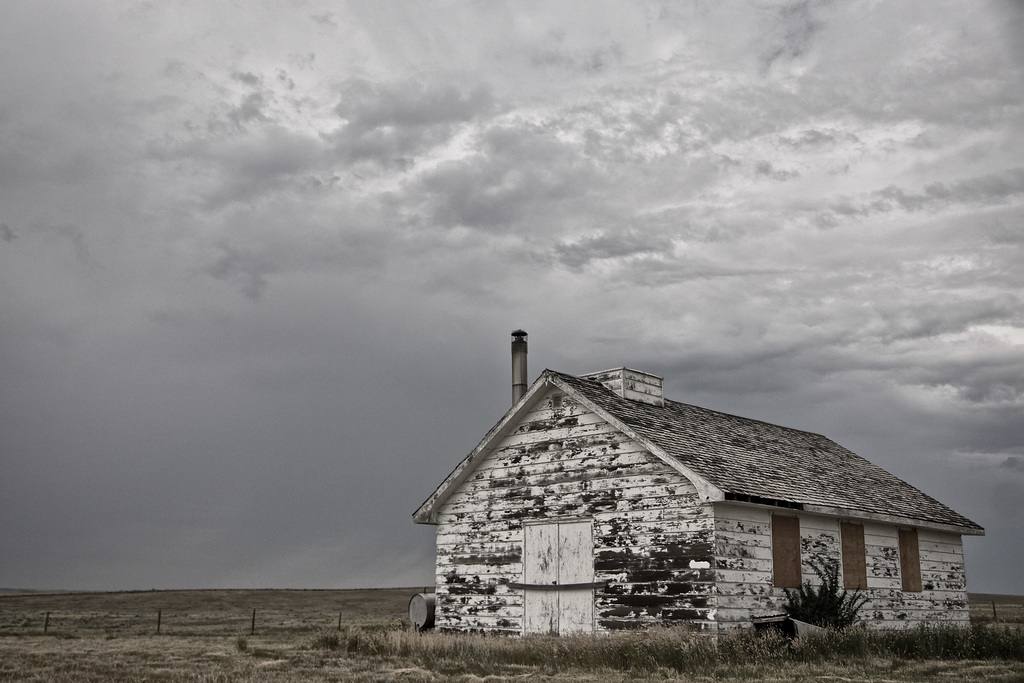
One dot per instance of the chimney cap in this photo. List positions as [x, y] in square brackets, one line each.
[519, 334]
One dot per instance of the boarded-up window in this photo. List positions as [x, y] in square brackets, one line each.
[855, 572]
[910, 560]
[786, 551]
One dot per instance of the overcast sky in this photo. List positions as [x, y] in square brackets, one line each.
[259, 262]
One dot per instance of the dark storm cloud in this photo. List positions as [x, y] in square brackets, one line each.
[272, 161]
[990, 189]
[74, 235]
[1006, 500]
[394, 123]
[248, 166]
[517, 175]
[15, 165]
[796, 27]
[324, 19]
[904, 320]
[579, 253]
[245, 268]
[983, 380]
[293, 245]
[283, 77]
[1012, 21]
[663, 272]
[249, 109]
[993, 188]
[247, 77]
[767, 169]
[590, 60]
[814, 137]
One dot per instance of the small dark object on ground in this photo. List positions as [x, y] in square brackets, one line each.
[775, 622]
[788, 626]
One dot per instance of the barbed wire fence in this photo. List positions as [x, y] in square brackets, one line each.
[254, 621]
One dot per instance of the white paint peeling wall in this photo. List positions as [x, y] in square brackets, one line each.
[652, 534]
[743, 549]
[743, 565]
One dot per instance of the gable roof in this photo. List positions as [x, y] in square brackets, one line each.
[736, 458]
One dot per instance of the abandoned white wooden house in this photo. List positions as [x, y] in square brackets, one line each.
[596, 504]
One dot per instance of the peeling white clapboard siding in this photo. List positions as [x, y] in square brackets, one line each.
[881, 546]
[743, 564]
[624, 488]
[621, 462]
[744, 569]
[555, 456]
[943, 577]
[652, 535]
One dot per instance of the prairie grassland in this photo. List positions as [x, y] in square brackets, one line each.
[1008, 609]
[206, 636]
[198, 612]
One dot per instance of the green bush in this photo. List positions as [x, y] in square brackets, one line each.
[826, 605]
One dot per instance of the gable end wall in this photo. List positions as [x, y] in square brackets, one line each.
[653, 537]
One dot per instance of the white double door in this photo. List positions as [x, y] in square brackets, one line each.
[558, 576]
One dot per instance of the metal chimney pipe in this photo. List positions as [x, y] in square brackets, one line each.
[519, 385]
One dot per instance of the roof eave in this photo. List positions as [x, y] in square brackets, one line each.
[896, 520]
[427, 512]
[831, 511]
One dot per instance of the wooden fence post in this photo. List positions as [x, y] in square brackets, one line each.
[252, 631]
[994, 616]
[158, 615]
[46, 624]
[339, 621]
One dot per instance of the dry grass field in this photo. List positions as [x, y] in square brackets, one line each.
[208, 636]
[1005, 609]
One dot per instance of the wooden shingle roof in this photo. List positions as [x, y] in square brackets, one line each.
[750, 460]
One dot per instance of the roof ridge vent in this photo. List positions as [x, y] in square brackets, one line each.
[632, 384]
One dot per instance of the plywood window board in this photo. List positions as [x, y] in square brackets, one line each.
[855, 571]
[786, 551]
[910, 560]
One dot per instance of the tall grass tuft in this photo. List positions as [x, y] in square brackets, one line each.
[327, 639]
[675, 649]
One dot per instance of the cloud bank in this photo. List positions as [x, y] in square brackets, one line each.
[259, 267]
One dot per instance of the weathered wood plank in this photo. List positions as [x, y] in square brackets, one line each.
[742, 576]
[563, 474]
[625, 464]
[759, 547]
[534, 439]
[571, 482]
[726, 513]
[511, 463]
